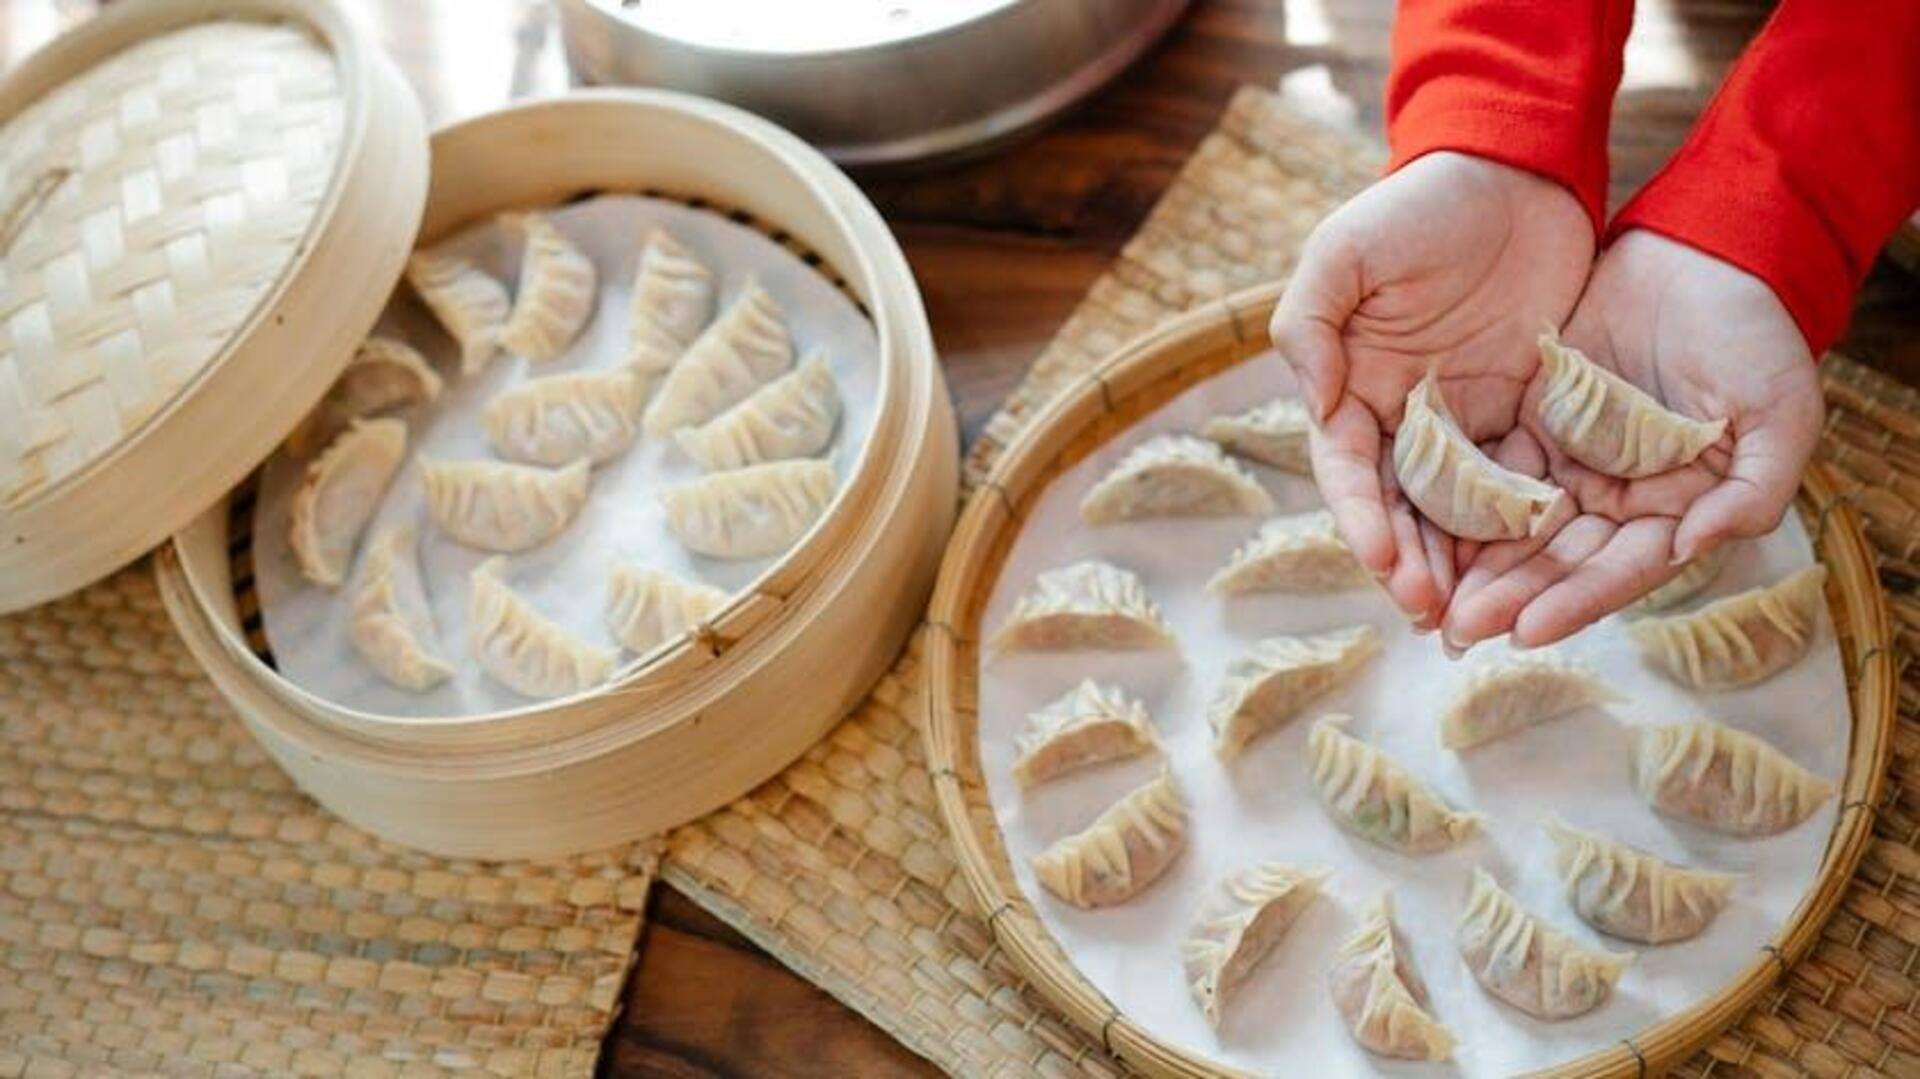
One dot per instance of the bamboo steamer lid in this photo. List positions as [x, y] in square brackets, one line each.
[204, 205]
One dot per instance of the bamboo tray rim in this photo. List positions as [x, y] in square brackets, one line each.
[1235, 327]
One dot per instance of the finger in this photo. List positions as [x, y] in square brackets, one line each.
[1508, 576]
[1482, 563]
[1346, 467]
[1638, 557]
[1307, 322]
[1751, 500]
[1410, 583]
[1441, 564]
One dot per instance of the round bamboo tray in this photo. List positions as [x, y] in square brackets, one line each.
[702, 721]
[1107, 401]
[210, 226]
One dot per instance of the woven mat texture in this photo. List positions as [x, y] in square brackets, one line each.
[170, 903]
[839, 866]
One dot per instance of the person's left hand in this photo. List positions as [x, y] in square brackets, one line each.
[1707, 339]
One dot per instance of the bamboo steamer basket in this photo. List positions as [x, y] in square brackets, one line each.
[1102, 405]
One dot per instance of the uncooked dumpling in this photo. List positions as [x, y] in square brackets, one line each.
[750, 512]
[1696, 575]
[1280, 676]
[792, 416]
[391, 624]
[1628, 893]
[1084, 605]
[557, 288]
[384, 374]
[1610, 425]
[496, 506]
[1722, 778]
[1375, 798]
[1302, 552]
[1515, 692]
[1455, 485]
[1240, 925]
[469, 303]
[1091, 724]
[1175, 476]
[339, 495]
[746, 348]
[558, 419]
[523, 650]
[1739, 640]
[672, 300]
[1528, 963]
[1121, 852]
[1378, 993]
[647, 607]
[1274, 434]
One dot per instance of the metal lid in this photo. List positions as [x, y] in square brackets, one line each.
[203, 205]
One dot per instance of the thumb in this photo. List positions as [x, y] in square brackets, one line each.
[1307, 322]
[1752, 499]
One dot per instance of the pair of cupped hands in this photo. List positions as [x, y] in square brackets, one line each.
[1460, 262]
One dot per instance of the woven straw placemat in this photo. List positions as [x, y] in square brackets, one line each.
[169, 903]
[839, 866]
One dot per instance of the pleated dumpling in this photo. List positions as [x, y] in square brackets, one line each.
[792, 416]
[1628, 893]
[1084, 605]
[339, 495]
[672, 300]
[558, 419]
[647, 607]
[1696, 575]
[1514, 692]
[1301, 552]
[1455, 485]
[496, 506]
[1724, 779]
[522, 649]
[1610, 425]
[750, 512]
[1240, 925]
[1529, 964]
[1379, 994]
[1375, 798]
[1273, 434]
[1175, 476]
[468, 302]
[745, 348]
[1091, 724]
[391, 623]
[1125, 849]
[557, 288]
[1280, 676]
[385, 374]
[1739, 640]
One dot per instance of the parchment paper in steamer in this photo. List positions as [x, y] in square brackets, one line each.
[1261, 807]
[623, 521]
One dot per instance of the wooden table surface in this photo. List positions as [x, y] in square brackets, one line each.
[1003, 249]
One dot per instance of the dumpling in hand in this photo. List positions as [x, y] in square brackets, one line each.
[557, 289]
[647, 607]
[384, 374]
[501, 507]
[1373, 797]
[1739, 640]
[1084, 605]
[1302, 552]
[1515, 692]
[391, 624]
[1121, 852]
[1696, 575]
[1281, 676]
[750, 512]
[1610, 425]
[1629, 893]
[469, 303]
[520, 648]
[1240, 925]
[1175, 476]
[792, 416]
[1090, 725]
[1528, 963]
[1273, 434]
[672, 300]
[746, 348]
[556, 420]
[1722, 778]
[1378, 993]
[339, 495]
[1455, 485]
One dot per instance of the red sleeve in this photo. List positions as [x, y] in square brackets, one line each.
[1527, 84]
[1807, 159]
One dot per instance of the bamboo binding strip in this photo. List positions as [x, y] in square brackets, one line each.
[1103, 404]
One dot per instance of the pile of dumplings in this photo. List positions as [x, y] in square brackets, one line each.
[1701, 771]
[725, 392]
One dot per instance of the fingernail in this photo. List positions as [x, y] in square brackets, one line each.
[1453, 651]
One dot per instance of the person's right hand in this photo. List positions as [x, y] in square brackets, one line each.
[1453, 260]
